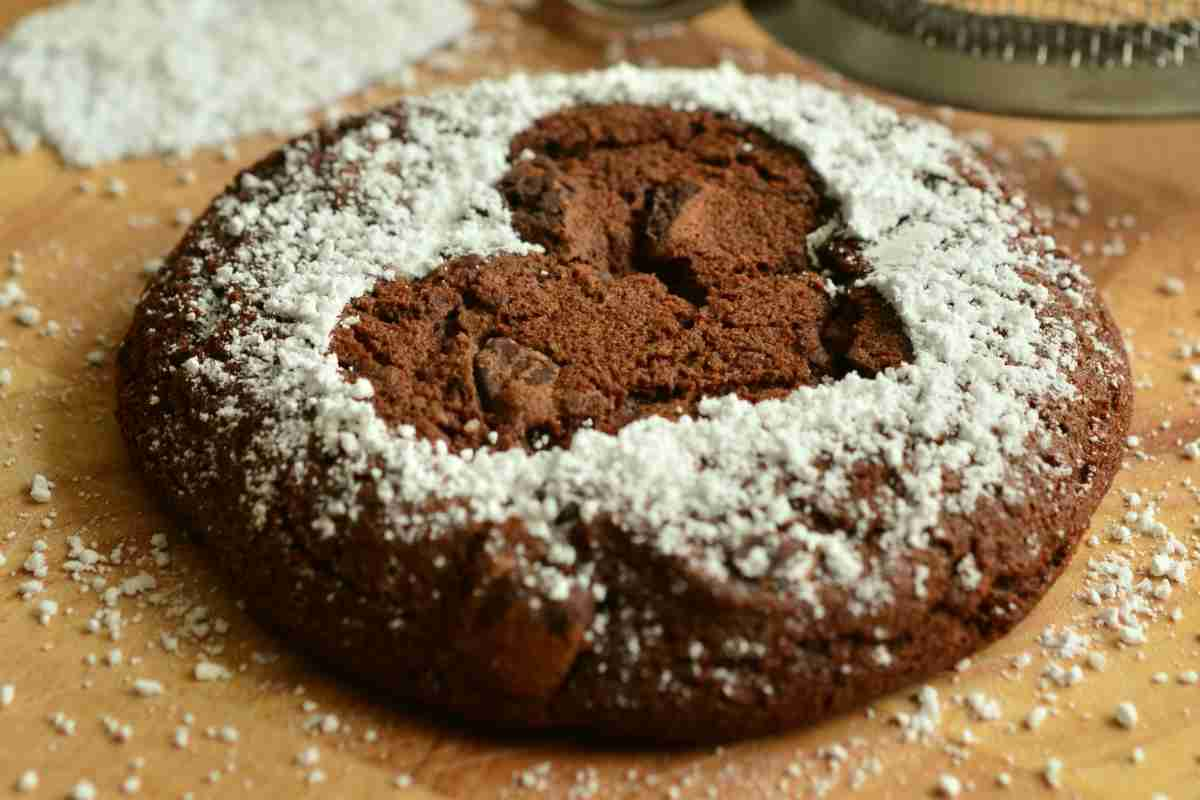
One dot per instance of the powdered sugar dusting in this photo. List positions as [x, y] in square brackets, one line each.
[107, 79]
[944, 253]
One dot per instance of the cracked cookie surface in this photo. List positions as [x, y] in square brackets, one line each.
[677, 266]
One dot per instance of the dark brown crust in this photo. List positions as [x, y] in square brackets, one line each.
[446, 621]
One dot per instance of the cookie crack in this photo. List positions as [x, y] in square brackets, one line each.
[675, 265]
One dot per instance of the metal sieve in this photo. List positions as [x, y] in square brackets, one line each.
[1047, 57]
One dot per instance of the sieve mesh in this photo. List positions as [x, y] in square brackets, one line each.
[1089, 12]
[1108, 33]
[1097, 58]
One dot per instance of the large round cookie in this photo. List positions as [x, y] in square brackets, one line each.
[672, 404]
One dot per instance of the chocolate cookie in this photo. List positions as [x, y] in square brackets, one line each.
[669, 404]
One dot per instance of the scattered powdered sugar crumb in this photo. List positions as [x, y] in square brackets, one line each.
[921, 725]
[309, 756]
[102, 80]
[1126, 715]
[1036, 716]
[968, 573]
[1173, 286]
[41, 490]
[949, 786]
[27, 782]
[29, 316]
[1052, 773]
[208, 671]
[984, 708]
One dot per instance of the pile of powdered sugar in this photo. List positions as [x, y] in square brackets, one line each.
[942, 255]
[102, 80]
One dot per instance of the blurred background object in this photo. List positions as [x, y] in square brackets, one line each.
[645, 11]
[1089, 58]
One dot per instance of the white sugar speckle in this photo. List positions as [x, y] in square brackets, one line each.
[27, 782]
[46, 610]
[1132, 634]
[984, 708]
[41, 490]
[208, 671]
[1126, 715]
[1052, 773]
[968, 573]
[949, 786]
[1036, 716]
[309, 756]
[1173, 286]
[29, 316]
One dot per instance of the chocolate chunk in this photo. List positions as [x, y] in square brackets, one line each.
[867, 333]
[527, 647]
[515, 381]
